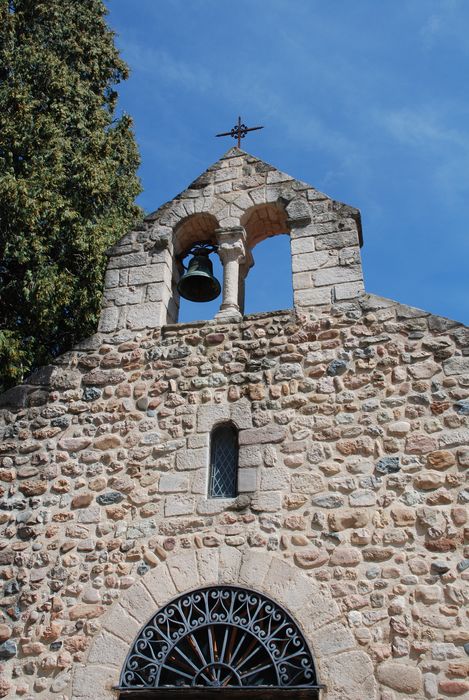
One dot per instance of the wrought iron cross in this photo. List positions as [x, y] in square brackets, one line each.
[239, 131]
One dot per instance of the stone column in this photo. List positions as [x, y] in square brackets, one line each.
[232, 251]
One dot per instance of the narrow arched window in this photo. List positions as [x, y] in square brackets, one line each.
[223, 462]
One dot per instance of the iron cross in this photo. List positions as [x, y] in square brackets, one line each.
[239, 131]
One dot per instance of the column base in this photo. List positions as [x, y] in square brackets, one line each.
[229, 315]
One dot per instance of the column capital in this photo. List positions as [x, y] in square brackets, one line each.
[231, 244]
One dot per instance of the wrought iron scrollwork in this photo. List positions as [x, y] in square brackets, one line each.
[223, 637]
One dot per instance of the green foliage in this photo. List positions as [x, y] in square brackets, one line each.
[67, 175]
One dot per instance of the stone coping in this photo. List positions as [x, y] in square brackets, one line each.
[224, 322]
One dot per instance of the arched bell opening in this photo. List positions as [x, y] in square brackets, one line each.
[264, 220]
[194, 228]
[220, 639]
[269, 285]
[192, 231]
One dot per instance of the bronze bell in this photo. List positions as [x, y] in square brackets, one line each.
[198, 282]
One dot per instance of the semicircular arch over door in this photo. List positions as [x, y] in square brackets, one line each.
[221, 637]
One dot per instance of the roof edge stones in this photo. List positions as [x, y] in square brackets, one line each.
[205, 179]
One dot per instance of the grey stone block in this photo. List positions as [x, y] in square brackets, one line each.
[173, 483]
[259, 436]
[194, 441]
[157, 292]
[309, 261]
[240, 414]
[456, 365]
[302, 245]
[147, 315]
[268, 501]
[302, 280]
[298, 211]
[210, 415]
[249, 456]
[274, 479]
[340, 239]
[247, 480]
[131, 260]
[307, 482]
[122, 296]
[179, 505]
[274, 176]
[313, 297]
[335, 275]
[349, 290]
[147, 273]
[15, 397]
[194, 459]
[111, 279]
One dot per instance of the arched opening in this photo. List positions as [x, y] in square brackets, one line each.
[268, 284]
[263, 221]
[221, 637]
[224, 451]
[196, 228]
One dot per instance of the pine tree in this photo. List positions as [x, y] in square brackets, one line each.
[67, 175]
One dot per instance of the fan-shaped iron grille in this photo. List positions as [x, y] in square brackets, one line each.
[220, 637]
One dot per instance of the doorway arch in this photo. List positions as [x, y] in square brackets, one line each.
[220, 637]
[346, 669]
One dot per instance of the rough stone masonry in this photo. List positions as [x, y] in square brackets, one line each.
[353, 418]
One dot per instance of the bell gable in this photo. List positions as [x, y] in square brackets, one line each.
[234, 205]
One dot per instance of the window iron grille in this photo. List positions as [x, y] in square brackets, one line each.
[223, 462]
[222, 637]
[205, 693]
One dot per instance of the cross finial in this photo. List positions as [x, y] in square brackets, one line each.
[239, 131]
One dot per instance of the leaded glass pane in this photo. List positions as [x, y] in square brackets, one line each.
[223, 462]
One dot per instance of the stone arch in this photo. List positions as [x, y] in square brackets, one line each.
[196, 227]
[264, 220]
[203, 627]
[346, 672]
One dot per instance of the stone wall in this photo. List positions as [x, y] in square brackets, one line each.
[354, 448]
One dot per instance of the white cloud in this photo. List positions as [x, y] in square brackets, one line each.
[158, 65]
[444, 20]
[427, 133]
[422, 129]
[430, 29]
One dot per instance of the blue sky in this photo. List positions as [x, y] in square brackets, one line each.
[367, 100]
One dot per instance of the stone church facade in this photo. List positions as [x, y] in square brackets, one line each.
[348, 526]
